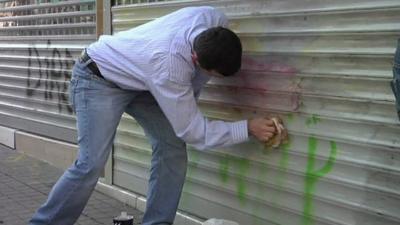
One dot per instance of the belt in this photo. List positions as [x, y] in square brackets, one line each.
[92, 65]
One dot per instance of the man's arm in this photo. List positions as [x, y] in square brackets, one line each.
[179, 105]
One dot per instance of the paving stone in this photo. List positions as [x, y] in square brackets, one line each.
[26, 182]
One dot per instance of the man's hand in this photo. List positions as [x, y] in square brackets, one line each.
[281, 136]
[261, 128]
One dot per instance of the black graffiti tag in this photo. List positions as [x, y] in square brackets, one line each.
[52, 75]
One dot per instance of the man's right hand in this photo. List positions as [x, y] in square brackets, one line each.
[261, 128]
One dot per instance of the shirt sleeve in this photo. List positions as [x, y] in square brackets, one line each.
[179, 105]
[221, 18]
[211, 16]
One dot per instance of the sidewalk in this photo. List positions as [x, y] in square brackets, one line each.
[25, 183]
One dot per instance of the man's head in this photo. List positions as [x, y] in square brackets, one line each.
[218, 50]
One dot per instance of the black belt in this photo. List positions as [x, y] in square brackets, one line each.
[92, 65]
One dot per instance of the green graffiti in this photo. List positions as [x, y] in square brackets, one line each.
[313, 120]
[290, 117]
[283, 163]
[224, 168]
[241, 166]
[280, 180]
[194, 158]
[261, 193]
[312, 176]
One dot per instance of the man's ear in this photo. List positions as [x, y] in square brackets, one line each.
[195, 58]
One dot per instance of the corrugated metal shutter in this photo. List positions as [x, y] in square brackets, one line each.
[39, 40]
[324, 66]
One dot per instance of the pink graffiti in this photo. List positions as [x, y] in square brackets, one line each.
[266, 84]
[250, 64]
[267, 75]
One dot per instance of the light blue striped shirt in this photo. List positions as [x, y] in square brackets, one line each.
[156, 57]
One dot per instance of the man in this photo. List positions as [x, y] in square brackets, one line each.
[154, 73]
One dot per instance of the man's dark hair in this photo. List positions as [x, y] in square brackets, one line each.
[219, 49]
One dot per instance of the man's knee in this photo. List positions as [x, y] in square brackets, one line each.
[84, 168]
[170, 152]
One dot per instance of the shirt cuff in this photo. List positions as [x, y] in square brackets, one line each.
[239, 132]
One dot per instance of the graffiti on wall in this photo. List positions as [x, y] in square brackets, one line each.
[238, 169]
[313, 175]
[48, 75]
[241, 168]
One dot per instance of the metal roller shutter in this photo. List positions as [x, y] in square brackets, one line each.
[324, 67]
[39, 41]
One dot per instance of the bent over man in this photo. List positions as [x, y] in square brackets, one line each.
[153, 72]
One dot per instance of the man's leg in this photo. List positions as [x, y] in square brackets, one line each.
[98, 105]
[169, 160]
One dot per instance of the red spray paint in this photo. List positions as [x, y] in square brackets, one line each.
[264, 82]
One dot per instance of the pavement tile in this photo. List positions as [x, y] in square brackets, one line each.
[26, 182]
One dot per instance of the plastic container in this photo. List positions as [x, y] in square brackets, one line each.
[123, 219]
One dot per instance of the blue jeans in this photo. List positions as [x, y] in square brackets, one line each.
[99, 105]
[395, 84]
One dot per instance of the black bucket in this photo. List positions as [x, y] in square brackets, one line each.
[123, 219]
